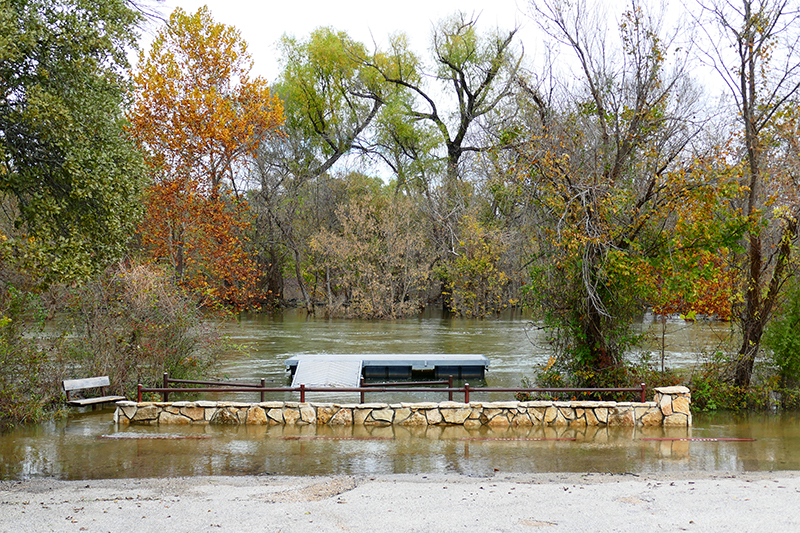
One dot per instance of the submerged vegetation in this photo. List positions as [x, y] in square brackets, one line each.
[129, 323]
[587, 186]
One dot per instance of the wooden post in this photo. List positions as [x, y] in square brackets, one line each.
[165, 384]
[361, 392]
[450, 386]
[302, 393]
[466, 392]
[263, 385]
[139, 393]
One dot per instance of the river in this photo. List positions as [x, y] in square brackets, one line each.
[88, 446]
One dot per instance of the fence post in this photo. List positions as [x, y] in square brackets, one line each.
[643, 393]
[466, 392]
[302, 393]
[263, 385]
[139, 393]
[361, 392]
[450, 386]
[165, 384]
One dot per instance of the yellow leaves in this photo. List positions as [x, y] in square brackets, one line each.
[198, 114]
[196, 106]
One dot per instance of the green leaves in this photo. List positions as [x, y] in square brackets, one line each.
[68, 174]
[330, 98]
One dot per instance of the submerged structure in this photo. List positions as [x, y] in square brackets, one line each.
[346, 370]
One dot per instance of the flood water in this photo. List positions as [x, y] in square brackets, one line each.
[89, 446]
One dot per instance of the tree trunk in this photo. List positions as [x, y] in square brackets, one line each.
[752, 319]
[757, 310]
[306, 298]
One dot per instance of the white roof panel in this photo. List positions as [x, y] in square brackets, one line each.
[328, 373]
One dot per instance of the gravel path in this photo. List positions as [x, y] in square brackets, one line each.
[701, 502]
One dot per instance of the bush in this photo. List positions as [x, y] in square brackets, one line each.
[134, 324]
[130, 323]
[713, 389]
[782, 339]
[628, 374]
[28, 386]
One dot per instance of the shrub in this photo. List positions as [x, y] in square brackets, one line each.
[626, 375]
[782, 339]
[27, 384]
[713, 389]
[133, 324]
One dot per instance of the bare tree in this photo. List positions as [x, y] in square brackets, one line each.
[755, 48]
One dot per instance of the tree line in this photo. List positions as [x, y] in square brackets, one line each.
[603, 179]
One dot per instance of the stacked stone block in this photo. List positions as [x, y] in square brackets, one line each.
[671, 407]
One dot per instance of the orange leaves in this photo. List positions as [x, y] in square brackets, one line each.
[197, 112]
[198, 116]
[703, 286]
[201, 238]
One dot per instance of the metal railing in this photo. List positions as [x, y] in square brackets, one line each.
[416, 386]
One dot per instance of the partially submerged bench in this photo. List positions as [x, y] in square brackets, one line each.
[98, 382]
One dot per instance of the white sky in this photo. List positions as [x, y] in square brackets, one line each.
[263, 22]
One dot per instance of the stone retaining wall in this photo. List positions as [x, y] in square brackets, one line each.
[670, 407]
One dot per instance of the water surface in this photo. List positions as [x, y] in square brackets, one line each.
[89, 446]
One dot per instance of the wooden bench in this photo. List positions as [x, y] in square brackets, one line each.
[99, 382]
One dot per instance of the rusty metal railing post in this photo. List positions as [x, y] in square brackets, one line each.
[302, 393]
[139, 393]
[361, 392]
[263, 385]
[165, 384]
[644, 395]
[450, 386]
[466, 392]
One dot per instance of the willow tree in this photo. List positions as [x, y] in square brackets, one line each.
[331, 101]
[200, 116]
[472, 74]
[429, 134]
[607, 170]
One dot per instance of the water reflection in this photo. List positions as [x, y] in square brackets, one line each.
[76, 449]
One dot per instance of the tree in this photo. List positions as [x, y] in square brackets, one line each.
[70, 179]
[374, 264]
[782, 337]
[426, 134]
[476, 277]
[331, 100]
[607, 173]
[477, 70]
[754, 46]
[199, 117]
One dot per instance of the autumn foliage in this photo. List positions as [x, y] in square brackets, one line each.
[198, 115]
[202, 238]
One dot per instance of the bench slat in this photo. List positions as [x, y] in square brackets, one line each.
[86, 383]
[101, 399]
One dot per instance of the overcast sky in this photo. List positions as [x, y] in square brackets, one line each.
[262, 23]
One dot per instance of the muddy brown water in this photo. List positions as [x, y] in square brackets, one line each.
[87, 445]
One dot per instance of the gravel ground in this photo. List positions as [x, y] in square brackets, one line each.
[701, 502]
